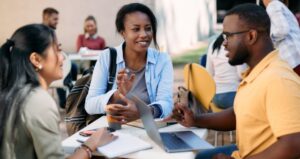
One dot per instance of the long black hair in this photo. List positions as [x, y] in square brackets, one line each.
[17, 74]
[136, 7]
[218, 43]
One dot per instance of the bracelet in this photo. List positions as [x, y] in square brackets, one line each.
[87, 149]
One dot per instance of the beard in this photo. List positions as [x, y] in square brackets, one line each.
[241, 56]
[52, 26]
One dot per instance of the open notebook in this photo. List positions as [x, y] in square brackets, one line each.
[124, 144]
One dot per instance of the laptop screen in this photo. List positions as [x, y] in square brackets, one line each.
[148, 120]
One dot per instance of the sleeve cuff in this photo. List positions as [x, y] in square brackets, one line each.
[157, 112]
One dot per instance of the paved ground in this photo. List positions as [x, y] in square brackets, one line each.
[178, 80]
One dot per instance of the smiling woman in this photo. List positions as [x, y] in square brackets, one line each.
[90, 39]
[30, 61]
[151, 72]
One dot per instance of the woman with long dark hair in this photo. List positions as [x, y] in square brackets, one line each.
[29, 61]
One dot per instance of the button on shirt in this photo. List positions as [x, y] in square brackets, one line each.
[266, 106]
[285, 32]
[158, 77]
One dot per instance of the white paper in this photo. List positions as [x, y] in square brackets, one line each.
[124, 144]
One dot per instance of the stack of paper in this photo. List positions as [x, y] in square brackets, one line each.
[124, 144]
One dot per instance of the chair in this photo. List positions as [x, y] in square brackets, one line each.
[200, 83]
[203, 87]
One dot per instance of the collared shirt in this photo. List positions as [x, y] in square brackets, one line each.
[285, 32]
[87, 36]
[266, 106]
[94, 42]
[158, 76]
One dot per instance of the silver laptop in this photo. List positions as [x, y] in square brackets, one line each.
[177, 141]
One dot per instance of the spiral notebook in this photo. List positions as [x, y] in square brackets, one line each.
[116, 148]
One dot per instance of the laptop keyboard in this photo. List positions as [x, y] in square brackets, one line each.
[171, 141]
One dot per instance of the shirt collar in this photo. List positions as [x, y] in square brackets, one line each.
[150, 54]
[248, 76]
[87, 36]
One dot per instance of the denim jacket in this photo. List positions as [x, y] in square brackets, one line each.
[158, 76]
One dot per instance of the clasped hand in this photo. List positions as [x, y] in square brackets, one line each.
[123, 113]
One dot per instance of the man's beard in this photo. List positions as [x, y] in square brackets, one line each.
[240, 57]
[52, 27]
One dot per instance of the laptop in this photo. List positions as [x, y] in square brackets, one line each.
[177, 141]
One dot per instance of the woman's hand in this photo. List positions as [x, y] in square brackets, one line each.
[183, 115]
[123, 113]
[125, 81]
[99, 138]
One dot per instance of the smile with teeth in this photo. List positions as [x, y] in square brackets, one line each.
[143, 43]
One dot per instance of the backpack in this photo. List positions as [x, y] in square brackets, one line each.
[76, 116]
[186, 97]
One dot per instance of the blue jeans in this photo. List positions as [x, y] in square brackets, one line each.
[202, 60]
[208, 154]
[224, 100]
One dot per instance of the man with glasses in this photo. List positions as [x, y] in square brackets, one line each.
[267, 104]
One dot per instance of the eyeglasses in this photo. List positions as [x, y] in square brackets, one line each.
[226, 35]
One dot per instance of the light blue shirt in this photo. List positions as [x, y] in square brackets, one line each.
[158, 76]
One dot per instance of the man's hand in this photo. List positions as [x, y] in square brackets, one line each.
[183, 115]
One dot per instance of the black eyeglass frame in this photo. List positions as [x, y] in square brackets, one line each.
[226, 35]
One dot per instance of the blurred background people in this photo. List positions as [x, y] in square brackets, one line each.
[285, 32]
[226, 76]
[30, 61]
[50, 17]
[90, 39]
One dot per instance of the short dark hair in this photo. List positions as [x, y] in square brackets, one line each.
[253, 15]
[136, 7]
[92, 18]
[49, 11]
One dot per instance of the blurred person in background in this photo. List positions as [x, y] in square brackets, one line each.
[227, 77]
[50, 17]
[285, 32]
[90, 39]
